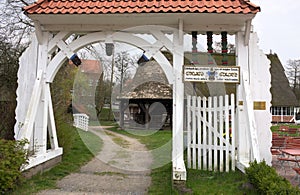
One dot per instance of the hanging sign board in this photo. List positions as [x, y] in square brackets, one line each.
[225, 74]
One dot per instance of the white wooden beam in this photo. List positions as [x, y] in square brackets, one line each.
[27, 129]
[38, 32]
[66, 49]
[53, 42]
[247, 32]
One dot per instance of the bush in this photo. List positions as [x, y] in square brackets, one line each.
[267, 181]
[12, 158]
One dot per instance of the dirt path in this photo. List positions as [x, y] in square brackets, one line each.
[122, 167]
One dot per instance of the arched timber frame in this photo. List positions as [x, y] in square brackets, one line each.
[40, 118]
[39, 64]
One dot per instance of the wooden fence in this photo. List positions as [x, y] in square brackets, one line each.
[81, 121]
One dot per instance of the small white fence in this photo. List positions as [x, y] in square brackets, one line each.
[211, 133]
[81, 121]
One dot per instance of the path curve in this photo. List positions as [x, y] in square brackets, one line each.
[115, 170]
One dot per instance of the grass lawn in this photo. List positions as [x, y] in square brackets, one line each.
[201, 182]
[275, 128]
[72, 160]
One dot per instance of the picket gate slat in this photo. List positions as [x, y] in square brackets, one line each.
[199, 134]
[221, 115]
[189, 131]
[203, 146]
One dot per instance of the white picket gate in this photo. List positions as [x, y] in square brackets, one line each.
[211, 133]
[81, 121]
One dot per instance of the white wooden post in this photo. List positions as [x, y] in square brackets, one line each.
[40, 128]
[242, 139]
[179, 171]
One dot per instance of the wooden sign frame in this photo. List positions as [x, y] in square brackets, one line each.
[224, 74]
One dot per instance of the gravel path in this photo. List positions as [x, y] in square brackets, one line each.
[122, 168]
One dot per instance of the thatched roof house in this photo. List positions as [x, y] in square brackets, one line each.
[284, 100]
[149, 82]
[282, 94]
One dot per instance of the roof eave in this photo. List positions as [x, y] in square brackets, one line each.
[216, 22]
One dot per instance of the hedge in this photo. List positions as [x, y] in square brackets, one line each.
[12, 158]
[267, 181]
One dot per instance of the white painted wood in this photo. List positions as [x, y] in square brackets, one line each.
[260, 85]
[37, 160]
[51, 122]
[215, 131]
[179, 170]
[233, 130]
[189, 131]
[205, 133]
[199, 126]
[210, 130]
[252, 128]
[227, 134]
[247, 32]
[27, 129]
[62, 35]
[221, 129]
[26, 79]
[81, 121]
[115, 22]
[242, 139]
[67, 51]
[37, 101]
[253, 135]
[151, 49]
[194, 129]
[40, 123]
[38, 31]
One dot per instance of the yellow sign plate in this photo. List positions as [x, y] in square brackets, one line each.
[259, 105]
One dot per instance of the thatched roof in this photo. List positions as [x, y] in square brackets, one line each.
[149, 82]
[282, 94]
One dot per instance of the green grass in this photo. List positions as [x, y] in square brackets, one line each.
[162, 181]
[275, 128]
[207, 182]
[78, 155]
[91, 141]
[201, 182]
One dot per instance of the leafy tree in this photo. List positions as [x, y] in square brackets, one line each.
[61, 99]
[9, 56]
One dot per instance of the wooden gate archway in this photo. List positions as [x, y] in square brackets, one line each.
[40, 103]
[107, 21]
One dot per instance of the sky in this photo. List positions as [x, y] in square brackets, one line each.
[278, 28]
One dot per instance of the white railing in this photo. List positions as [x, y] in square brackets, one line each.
[81, 121]
[211, 133]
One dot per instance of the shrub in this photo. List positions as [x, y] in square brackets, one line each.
[12, 158]
[267, 181]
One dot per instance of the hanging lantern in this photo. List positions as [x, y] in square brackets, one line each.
[142, 60]
[109, 47]
[75, 59]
